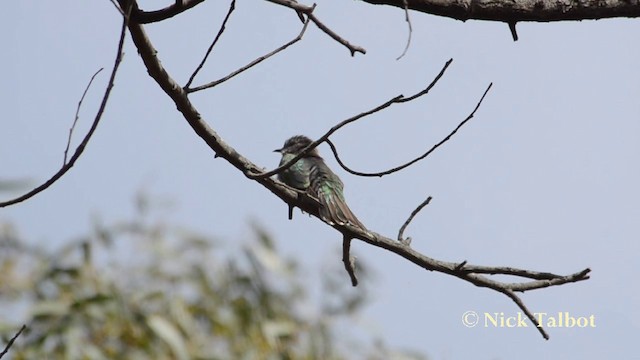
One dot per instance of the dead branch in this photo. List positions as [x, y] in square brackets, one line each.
[225, 151]
[80, 149]
[521, 10]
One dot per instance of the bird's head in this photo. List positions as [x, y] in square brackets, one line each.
[294, 145]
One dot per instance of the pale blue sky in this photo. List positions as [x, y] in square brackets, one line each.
[544, 177]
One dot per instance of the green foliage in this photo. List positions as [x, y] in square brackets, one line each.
[144, 290]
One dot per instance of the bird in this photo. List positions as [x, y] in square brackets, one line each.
[312, 175]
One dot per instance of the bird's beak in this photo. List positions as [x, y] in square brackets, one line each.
[277, 150]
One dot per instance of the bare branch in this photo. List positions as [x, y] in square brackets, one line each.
[352, 48]
[415, 212]
[408, 20]
[521, 10]
[348, 260]
[541, 284]
[249, 65]
[11, 341]
[463, 272]
[146, 17]
[80, 149]
[325, 137]
[225, 151]
[504, 270]
[232, 7]
[433, 148]
[308, 10]
[75, 120]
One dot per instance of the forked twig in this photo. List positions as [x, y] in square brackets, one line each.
[403, 166]
[251, 64]
[80, 149]
[215, 41]
[75, 120]
[308, 10]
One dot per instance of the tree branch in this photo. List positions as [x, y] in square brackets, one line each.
[521, 10]
[12, 340]
[80, 149]
[223, 150]
[308, 10]
[406, 165]
[249, 65]
[146, 17]
[75, 120]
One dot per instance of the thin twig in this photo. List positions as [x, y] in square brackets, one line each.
[348, 260]
[353, 49]
[251, 64]
[541, 284]
[75, 120]
[80, 149]
[516, 299]
[408, 20]
[461, 265]
[325, 137]
[10, 343]
[117, 7]
[403, 166]
[413, 214]
[215, 41]
[308, 10]
[505, 270]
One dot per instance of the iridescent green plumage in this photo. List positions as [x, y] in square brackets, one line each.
[297, 175]
[311, 174]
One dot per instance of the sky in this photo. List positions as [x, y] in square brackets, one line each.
[544, 177]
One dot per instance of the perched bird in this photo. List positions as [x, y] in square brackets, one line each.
[312, 175]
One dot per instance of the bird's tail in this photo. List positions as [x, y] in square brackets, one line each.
[334, 210]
